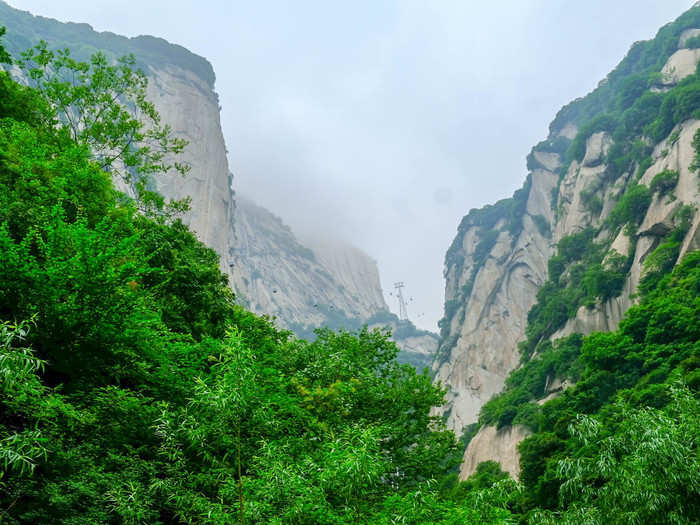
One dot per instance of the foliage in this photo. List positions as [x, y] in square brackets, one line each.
[592, 200]
[643, 61]
[605, 122]
[542, 225]
[557, 145]
[104, 107]
[632, 206]
[582, 468]
[663, 182]
[514, 405]
[643, 470]
[25, 31]
[692, 42]
[581, 272]
[662, 260]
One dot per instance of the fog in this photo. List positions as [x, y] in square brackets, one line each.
[384, 122]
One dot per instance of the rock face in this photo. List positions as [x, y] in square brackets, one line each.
[314, 283]
[303, 287]
[181, 86]
[191, 108]
[499, 258]
[680, 65]
[491, 289]
[491, 444]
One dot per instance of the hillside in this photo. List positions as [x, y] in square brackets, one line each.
[609, 207]
[269, 269]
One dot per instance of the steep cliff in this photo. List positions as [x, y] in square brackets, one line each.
[315, 282]
[609, 205]
[181, 85]
[330, 284]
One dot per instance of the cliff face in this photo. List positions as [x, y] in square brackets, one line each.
[315, 282]
[329, 283]
[493, 271]
[596, 175]
[190, 106]
[181, 85]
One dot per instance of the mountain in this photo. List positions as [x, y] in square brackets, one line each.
[331, 284]
[314, 282]
[608, 207]
[181, 85]
[134, 389]
[280, 276]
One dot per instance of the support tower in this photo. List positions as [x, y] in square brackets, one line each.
[403, 314]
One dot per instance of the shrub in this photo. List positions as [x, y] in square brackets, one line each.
[632, 207]
[692, 43]
[664, 182]
[592, 201]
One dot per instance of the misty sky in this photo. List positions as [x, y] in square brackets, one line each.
[384, 122]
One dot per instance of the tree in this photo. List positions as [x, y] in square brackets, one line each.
[646, 471]
[103, 105]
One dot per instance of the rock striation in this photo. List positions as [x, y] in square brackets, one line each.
[331, 283]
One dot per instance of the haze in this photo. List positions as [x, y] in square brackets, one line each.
[383, 123]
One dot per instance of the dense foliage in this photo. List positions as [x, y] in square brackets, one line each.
[630, 78]
[581, 273]
[618, 376]
[134, 390]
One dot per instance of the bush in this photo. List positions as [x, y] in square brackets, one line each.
[632, 207]
[664, 182]
[692, 43]
[592, 201]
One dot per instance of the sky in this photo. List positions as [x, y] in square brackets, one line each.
[384, 122]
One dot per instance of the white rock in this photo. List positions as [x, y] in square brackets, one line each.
[680, 64]
[500, 446]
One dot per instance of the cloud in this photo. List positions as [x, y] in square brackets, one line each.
[384, 122]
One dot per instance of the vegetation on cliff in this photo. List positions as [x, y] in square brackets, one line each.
[25, 30]
[620, 445]
[134, 390]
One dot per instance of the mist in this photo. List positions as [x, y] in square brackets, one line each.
[383, 123]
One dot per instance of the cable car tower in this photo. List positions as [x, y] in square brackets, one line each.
[403, 314]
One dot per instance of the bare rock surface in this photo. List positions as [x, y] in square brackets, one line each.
[315, 282]
[680, 65]
[491, 444]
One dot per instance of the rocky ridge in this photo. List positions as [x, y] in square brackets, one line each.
[315, 282]
[499, 260]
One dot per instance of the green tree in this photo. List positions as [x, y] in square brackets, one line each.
[104, 106]
[646, 471]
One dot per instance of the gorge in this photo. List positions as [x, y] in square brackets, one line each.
[219, 365]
